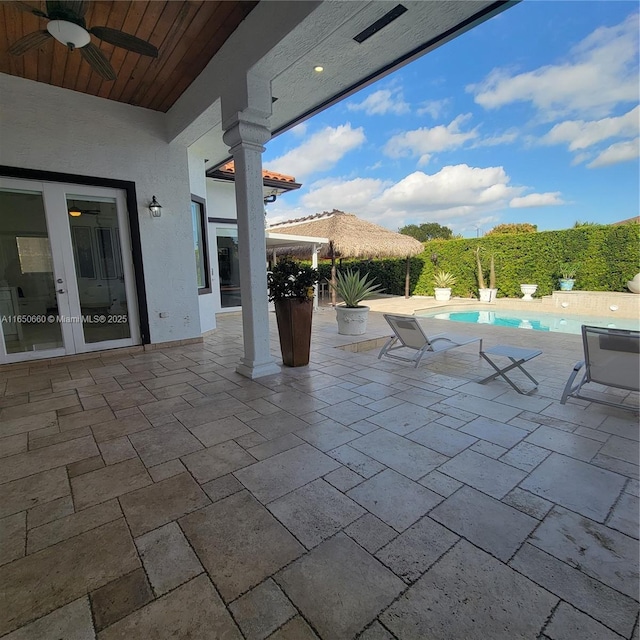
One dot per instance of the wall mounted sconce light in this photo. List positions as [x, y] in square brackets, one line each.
[155, 207]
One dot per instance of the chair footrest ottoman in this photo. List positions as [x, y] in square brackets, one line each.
[517, 356]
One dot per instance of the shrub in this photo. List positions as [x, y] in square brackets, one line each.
[354, 288]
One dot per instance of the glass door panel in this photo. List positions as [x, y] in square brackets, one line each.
[228, 267]
[99, 269]
[29, 312]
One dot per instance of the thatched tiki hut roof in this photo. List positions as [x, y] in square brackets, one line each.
[352, 237]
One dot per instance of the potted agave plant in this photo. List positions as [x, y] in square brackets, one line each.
[487, 294]
[290, 286]
[568, 274]
[443, 281]
[353, 289]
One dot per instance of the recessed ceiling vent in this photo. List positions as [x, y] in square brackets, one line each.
[381, 23]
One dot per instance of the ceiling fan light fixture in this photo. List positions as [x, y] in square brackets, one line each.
[69, 34]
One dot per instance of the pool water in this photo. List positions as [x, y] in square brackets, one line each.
[531, 321]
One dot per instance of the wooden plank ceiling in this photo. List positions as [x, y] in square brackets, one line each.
[187, 35]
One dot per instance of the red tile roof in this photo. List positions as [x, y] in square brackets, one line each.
[271, 175]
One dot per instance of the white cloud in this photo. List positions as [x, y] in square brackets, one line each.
[459, 196]
[508, 137]
[537, 200]
[599, 73]
[300, 130]
[424, 141]
[346, 195]
[617, 152]
[580, 158]
[320, 152]
[579, 134]
[381, 102]
[451, 191]
[434, 108]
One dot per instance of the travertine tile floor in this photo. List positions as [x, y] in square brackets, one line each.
[158, 495]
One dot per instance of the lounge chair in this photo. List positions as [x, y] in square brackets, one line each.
[612, 359]
[409, 335]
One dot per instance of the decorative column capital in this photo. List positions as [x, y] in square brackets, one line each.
[246, 130]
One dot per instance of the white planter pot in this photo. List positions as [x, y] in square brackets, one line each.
[528, 290]
[352, 321]
[488, 295]
[443, 294]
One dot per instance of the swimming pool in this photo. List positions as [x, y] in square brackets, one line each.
[532, 321]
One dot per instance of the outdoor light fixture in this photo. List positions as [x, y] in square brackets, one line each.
[564, 305]
[318, 69]
[74, 212]
[614, 307]
[155, 207]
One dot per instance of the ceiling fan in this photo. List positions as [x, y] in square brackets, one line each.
[67, 25]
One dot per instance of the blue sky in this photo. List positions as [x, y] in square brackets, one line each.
[533, 116]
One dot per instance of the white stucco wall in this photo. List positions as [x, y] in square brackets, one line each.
[51, 129]
[207, 302]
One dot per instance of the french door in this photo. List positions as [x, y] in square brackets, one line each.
[66, 276]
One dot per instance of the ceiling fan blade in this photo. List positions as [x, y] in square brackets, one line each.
[30, 41]
[124, 40]
[98, 62]
[23, 6]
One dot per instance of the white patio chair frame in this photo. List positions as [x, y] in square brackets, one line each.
[418, 340]
[612, 359]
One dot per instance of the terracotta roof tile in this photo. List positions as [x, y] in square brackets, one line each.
[272, 175]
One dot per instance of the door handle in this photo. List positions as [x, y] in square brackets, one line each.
[61, 291]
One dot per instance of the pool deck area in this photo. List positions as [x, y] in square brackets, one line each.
[156, 494]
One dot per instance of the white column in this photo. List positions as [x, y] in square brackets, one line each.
[245, 133]
[314, 264]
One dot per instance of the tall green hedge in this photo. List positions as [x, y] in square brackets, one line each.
[389, 273]
[608, 256]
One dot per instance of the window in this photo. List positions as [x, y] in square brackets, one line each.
[201, 251]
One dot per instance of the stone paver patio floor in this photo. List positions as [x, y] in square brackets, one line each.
[158, 494]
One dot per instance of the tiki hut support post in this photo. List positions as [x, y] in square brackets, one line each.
[407, 277]
[314, 263]
[333, 274]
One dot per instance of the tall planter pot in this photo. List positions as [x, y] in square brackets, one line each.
[442, 294]
[352, 321]
[294, 317]
[488, 295]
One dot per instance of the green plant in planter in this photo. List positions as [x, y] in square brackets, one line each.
[290, 286]
[568, 270]
[290, 279]
[353, 288]
[444, 279]
[492, 272]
